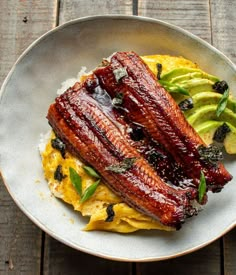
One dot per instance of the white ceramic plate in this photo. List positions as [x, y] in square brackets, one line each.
[25, 97]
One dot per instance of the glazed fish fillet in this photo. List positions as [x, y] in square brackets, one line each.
[147, 103]
[96, 127]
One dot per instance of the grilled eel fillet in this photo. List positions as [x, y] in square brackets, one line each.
[164, 164]
[92, 131]
[88, 132]
[147, 103]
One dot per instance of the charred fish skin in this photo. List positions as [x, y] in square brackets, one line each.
[147, 103]
[73, 117]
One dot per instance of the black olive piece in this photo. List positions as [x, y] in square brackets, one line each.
[91, 84]
[221, 133]
[186, 104]
[159, 70]
[220, 86]
[58, 175]
[110, 213]
[59, 145]
[136, 133]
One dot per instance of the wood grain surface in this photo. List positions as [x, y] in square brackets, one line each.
[25, 249]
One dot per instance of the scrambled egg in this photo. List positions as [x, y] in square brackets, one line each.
[124, 219]
[168, 62]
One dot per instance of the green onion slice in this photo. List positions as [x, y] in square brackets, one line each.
[173, 88]
[91, 172]
[222, 103]
[201, 187]
[76, 180]
[89, 191]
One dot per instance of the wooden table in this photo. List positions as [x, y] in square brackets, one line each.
[24, 248]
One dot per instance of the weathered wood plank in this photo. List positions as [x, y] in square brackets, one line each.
[20, 239]
[223, 17]
[20, 23]
[204, 261]
[189, 14]
[71, 9]
[60, 259]
[230, 253]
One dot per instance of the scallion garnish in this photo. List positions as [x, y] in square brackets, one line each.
[222, 103]
[89, 191]
[173, 88]
[202, 187]
[77, 183]
[76, 180]
[91, 172]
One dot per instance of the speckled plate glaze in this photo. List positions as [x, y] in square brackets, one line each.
[25, 97]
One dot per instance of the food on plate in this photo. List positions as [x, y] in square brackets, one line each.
[132, 136]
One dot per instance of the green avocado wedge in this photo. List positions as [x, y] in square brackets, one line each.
[181, 74]
[207, 129]
[197, 85]
[209, 98]
[191, 80]
[203, 116]
[208, 112]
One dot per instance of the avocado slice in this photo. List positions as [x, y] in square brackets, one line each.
[208, 112]
[197, 85]
[186, 74]
[194, 86]
[189, 76]
[207, 129]
[209, 98]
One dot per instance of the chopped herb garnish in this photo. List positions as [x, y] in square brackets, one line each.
[76, 180]
[89, 191]
[173, 88]
[91, 172]
[222, 103]
[118, 99]
[120, 73]
[186, 104]
[202, 187]
[59, 145]
[221, 132]
[210, 153]
[220, 86]
[123, 166]
[110, 213]
[77, 183]
[58, 175]
[159, 70]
